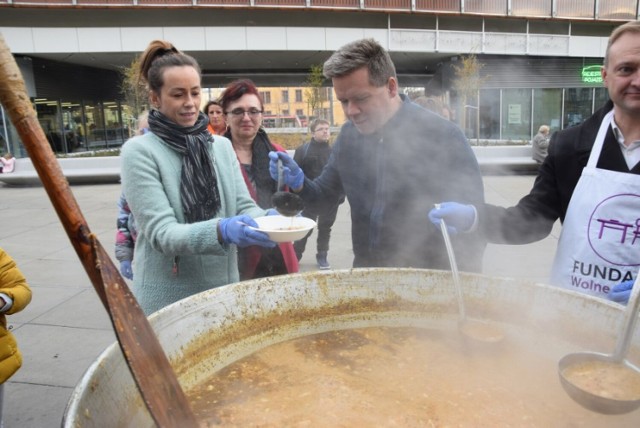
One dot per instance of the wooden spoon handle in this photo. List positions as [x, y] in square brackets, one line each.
[145, 357]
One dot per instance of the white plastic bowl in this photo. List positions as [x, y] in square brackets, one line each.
[285, 229]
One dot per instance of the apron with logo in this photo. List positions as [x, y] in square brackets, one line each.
[599, 245]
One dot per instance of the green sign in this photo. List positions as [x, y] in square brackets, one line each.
[591, 74]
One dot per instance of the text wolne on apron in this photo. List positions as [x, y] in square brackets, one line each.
[599, 245]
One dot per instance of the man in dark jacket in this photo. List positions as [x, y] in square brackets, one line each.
[590, 180]
[312, 157]
[393, 160]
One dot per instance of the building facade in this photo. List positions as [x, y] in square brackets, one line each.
[539, 58]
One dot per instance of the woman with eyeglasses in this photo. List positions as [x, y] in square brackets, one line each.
[184, 188]
[243, 108]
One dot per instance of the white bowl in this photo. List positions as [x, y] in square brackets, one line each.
[284, 229]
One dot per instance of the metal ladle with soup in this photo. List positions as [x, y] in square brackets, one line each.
[475, 329]
[605, 383]
[286, 203]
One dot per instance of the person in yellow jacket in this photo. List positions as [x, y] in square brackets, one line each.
[15, 295]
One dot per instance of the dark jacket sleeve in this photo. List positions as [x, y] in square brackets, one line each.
[533, 217]
[328, 186]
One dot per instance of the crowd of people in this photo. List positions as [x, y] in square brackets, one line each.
[195, 182]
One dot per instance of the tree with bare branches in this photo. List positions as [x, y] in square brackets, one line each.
[467, 85]
[134, 91]
[315, 92]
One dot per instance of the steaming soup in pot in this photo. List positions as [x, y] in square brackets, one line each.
[396, 376]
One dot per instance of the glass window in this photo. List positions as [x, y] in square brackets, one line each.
[486, 6]
[285, 112]
[490, 114]
[577, 105]
[575, 8]
[9, 139]
[470, 113]
[114, 130]
[4, 133]
[50, 119]
[601, 97]
[516, 114]
[617, 9]
[438, 5]
[299, 112]
[285, 96]
[266, 97]
[531, 8]
[298, 95]
[95, 136]
[72, 123]
[547, 109]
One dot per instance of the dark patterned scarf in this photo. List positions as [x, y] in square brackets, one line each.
[198, 183]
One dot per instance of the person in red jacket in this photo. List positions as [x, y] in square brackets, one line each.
[243, 108]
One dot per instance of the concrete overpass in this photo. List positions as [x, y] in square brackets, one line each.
[277, 46]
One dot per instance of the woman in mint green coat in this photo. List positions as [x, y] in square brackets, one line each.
[184, 188]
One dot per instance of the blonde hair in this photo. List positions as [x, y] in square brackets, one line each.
[629, 27]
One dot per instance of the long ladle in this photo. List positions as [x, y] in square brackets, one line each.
[142, 351]
[286, 203]
[474, 329]
[580, 372]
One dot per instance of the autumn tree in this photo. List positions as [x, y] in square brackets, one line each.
[315, 92]
[134, 91]
[467, 83]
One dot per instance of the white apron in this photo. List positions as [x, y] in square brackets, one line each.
[599, 244]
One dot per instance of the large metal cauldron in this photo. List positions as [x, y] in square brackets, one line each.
[205, 332]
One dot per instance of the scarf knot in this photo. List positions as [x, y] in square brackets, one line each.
[198, 182]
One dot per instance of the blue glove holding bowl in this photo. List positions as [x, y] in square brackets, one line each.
[239, 230]
[458, 217]
[621, 292]
[292, 174]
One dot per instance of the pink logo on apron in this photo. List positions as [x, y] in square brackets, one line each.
[611, 233]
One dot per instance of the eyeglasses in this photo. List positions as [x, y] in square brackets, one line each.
[239, 113]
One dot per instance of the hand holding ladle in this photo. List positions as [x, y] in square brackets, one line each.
[474, 329]
[286, 203]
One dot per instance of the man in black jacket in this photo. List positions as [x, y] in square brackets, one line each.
[590, 180]
[312, 157]
[393, 160]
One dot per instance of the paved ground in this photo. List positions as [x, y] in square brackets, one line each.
[65, 327]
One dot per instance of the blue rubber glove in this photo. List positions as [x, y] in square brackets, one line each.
[292, 174]
[272, 211]
[239, 230]
[621, 292]
[458, 217]
[125, 269]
